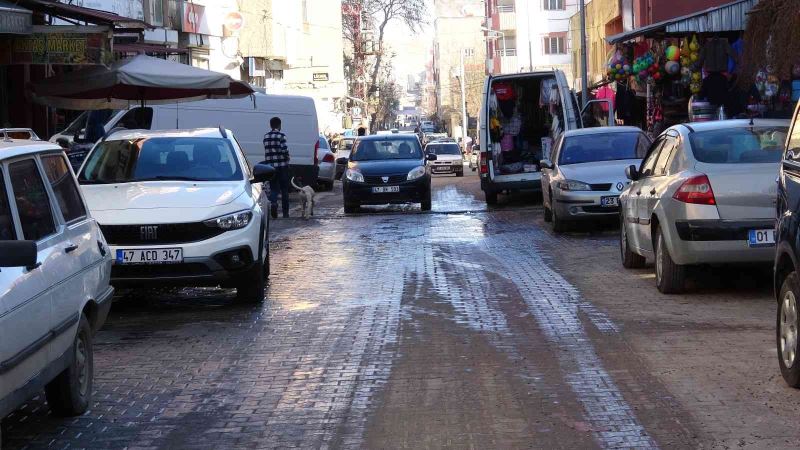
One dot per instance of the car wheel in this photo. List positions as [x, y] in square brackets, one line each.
[250, 286]
[787, 328]
[426, 202]
[559, 226]
[548, 214]
[460, 173]
[70, 393]
[630, 260]
[491, 197]
[350, 208]
[670, 277]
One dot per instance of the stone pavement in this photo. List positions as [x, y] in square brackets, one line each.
[464, 328]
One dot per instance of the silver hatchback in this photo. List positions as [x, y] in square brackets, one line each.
[705, 194]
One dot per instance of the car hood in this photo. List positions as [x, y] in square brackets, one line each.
[389, 167]
[161, 194]
[599, 172]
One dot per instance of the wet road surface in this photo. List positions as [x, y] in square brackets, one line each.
[464, 328]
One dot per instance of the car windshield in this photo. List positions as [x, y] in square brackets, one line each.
[163, 158]
[739, 145]
[443, 149]
[384, 149]
[603, 147]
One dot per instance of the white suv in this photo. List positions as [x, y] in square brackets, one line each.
[54, 280]
[180, 208]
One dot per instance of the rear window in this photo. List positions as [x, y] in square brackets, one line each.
[739, 145]
[443, 149]
[323, 144]
[603, 147]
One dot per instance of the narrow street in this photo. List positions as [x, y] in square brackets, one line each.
[464, 328]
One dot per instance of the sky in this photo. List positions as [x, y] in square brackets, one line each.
[412, 49]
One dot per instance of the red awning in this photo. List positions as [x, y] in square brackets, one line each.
[148, 49]
[89, 15]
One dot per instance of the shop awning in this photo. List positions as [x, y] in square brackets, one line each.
[719, 19]
[80, 13]
[15, 19]
[148, 49]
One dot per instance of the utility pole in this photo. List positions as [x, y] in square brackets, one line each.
[530, 36]
[463, 104]
[584, 63]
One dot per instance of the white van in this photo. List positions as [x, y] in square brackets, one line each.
[247, 117]
[521, 118]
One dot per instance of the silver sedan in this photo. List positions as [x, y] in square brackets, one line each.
[585, 174]
[705, 194]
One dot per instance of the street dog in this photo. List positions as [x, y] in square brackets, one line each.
[307, 199]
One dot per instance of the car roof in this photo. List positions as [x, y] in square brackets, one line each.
[732, 123]
[121, 135]
[22, 147]
[601, 130]
[389, 137]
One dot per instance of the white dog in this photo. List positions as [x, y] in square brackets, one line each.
[307, 198]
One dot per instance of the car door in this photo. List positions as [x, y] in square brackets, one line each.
[82, 251]
[28, 318]
[653, 189]
[634, 208]
[548, 174]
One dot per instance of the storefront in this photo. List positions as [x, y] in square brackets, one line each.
[690, 69]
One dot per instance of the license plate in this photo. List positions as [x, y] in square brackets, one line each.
[441, 169]
[609, 201]
[385, 189]
[762, 238]
[150, 256]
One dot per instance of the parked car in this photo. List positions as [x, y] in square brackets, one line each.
[449, 158]
[705, 194]
[387, 169]
[786, 282]
[585, 174]
[327, 165]
[474, 156]
[248, 118]
[342, 147]
[54, 280]
[181, 208]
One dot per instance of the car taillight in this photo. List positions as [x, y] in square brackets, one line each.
[316, 153]
[328, 158]
[696, 190]
[484, 162]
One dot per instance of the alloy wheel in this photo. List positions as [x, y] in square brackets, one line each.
[659, 264]
[81, 359]
[789, 329]
[623, 241]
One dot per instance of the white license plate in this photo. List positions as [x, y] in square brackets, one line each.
[385, 189]
[762, 238]
[609, 201]
[441, 169]
[150, 256]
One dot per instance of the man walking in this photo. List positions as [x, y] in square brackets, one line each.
[276, 153]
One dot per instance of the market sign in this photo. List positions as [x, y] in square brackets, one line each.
[57, 48]
[14, 20]
[321, 76]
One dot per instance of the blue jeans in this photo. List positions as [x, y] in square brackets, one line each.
[280, 182]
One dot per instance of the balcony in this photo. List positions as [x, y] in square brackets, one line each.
[508, 18]
[508, 61]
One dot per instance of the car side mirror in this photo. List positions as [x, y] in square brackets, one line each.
[342, 160]
[546, 164]
[632, 172]
[18, 254]
[263, 173]
[431, 157]
[63, 143]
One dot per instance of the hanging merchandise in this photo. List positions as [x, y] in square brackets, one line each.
[618, 66]
[696, 83]
[645, 67]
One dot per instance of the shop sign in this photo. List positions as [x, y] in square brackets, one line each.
[15, 21]
[57, 48]
[321, 76]
[194, 19]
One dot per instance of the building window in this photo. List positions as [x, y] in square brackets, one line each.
[469, 52]
[553, 5]
[155, 10]
[555, 45]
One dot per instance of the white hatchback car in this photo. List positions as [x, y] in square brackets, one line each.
[54, 280]
[180, 208]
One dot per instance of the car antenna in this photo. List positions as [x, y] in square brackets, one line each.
[223, 132]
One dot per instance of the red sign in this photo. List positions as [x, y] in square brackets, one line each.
[234, 21]
[194, 20]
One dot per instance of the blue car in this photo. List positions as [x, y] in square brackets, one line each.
[387, 169]
[787, 283]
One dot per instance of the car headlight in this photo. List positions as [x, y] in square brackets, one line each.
[354, 175]
[231, 221]
[572, 185]
[416, 172]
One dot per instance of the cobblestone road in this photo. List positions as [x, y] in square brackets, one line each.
[464, 328]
